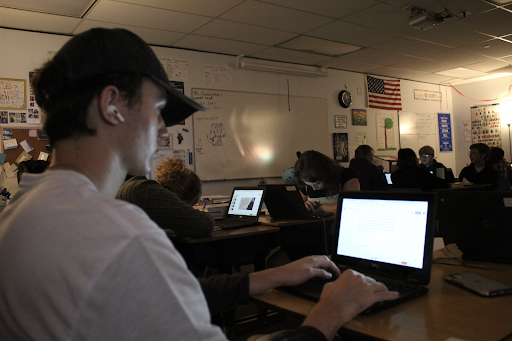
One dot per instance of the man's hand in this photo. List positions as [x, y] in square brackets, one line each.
[293, 273]
[343, 299]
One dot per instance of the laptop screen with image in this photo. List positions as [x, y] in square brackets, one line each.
[245, 202]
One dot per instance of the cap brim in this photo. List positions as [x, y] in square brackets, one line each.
[178, 106]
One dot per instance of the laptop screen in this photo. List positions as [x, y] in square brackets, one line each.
[245, 202]
[388, 231]
[388, 178]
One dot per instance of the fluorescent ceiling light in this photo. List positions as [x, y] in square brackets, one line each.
[249, 64]
[318, 46]
[461, 72]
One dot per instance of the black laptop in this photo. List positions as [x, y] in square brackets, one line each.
[386, 235]
[285, 201]
[243, 209]
[479, 222]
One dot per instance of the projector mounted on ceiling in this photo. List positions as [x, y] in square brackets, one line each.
[423, 19]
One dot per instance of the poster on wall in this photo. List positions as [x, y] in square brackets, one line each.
[445, 132]
[486, 125]
[387, 130]
[340, 146]
[359, 117]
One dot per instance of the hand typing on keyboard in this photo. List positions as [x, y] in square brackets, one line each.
[343, 299]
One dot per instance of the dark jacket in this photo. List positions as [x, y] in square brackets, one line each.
[370, 177]
[415, 177]
[488, 175]
[448, 174]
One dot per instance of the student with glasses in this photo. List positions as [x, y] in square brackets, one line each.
[428, 162]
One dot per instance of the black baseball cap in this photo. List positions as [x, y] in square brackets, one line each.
[100, 51]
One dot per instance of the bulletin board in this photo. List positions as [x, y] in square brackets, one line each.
[21, 134]
[244, 135]
[417, 130]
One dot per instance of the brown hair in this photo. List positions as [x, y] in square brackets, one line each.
[407, 157]
[173, 175]
[313, 166]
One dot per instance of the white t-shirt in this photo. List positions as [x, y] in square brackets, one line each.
[77, 265]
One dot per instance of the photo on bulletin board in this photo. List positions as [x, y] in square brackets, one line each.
[180, 87]
[340, 146]
[359, 117]
[13, 94]
[340, 121]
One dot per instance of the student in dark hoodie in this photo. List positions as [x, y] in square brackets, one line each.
[370, 176]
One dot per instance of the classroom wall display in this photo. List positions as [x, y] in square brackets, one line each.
[386, 122]
[486, 124]
[445, 132]
[359, 117]
[244, 135]
[340, 121]
[340, 146]
[12, 94]
[417, 130]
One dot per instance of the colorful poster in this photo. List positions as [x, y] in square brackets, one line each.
[445, 132]
[340, 146]
[359, 117]
[485, 125]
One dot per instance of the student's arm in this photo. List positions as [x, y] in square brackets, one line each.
[351, 185]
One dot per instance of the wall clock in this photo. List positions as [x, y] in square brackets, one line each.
[345, 98]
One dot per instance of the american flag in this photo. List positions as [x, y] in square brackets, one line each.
[384, 93]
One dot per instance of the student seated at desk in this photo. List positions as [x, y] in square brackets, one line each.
[78, 264]
[370, 176]
[409, 175]
[320, 179]
[428, 162]
[168, 201]
[480, 171]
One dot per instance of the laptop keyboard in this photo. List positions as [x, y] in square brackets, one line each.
[401, 288]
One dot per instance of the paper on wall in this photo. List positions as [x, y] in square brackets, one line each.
[10, 144]
[26, 146]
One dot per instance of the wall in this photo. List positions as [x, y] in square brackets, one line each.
[24, 51]
[474, 94]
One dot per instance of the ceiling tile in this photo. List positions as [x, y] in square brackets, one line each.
[210, 8]
[488, 65]
[450, 35]
[454, 6]
[349, 33]
[431, 78]
[391, 71]
[410, 46]
[150, 36]
[33, 21]
[134, 15]
[277, 17]
[373, 56]
[461, 72]
[329, 8]
[350, 65]
[317, 45]
[75, 8]
[496, 22]
[290, 56]
[421, 64]
[217, 45]
[455, 57]
[384, 17]
[244, 32]
[495, 48]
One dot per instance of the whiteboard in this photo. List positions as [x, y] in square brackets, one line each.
[417, 130]
[246, 135]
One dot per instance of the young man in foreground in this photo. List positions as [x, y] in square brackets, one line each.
[76, 264]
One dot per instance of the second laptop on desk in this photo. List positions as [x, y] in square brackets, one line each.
[285, 201]
[385, 235]
[244, 208]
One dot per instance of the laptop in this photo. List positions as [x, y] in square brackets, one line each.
[386, 235]
[285, 201]
[243, 209]
[478, 222]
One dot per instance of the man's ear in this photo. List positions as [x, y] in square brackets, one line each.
[107, 101]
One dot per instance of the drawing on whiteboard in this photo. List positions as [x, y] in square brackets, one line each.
[217, 132]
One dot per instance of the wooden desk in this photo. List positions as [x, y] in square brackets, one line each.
[223, 246]
[446, 311]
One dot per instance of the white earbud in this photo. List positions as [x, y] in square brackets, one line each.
[112, 109]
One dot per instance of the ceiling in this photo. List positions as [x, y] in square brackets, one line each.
[366, 36]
